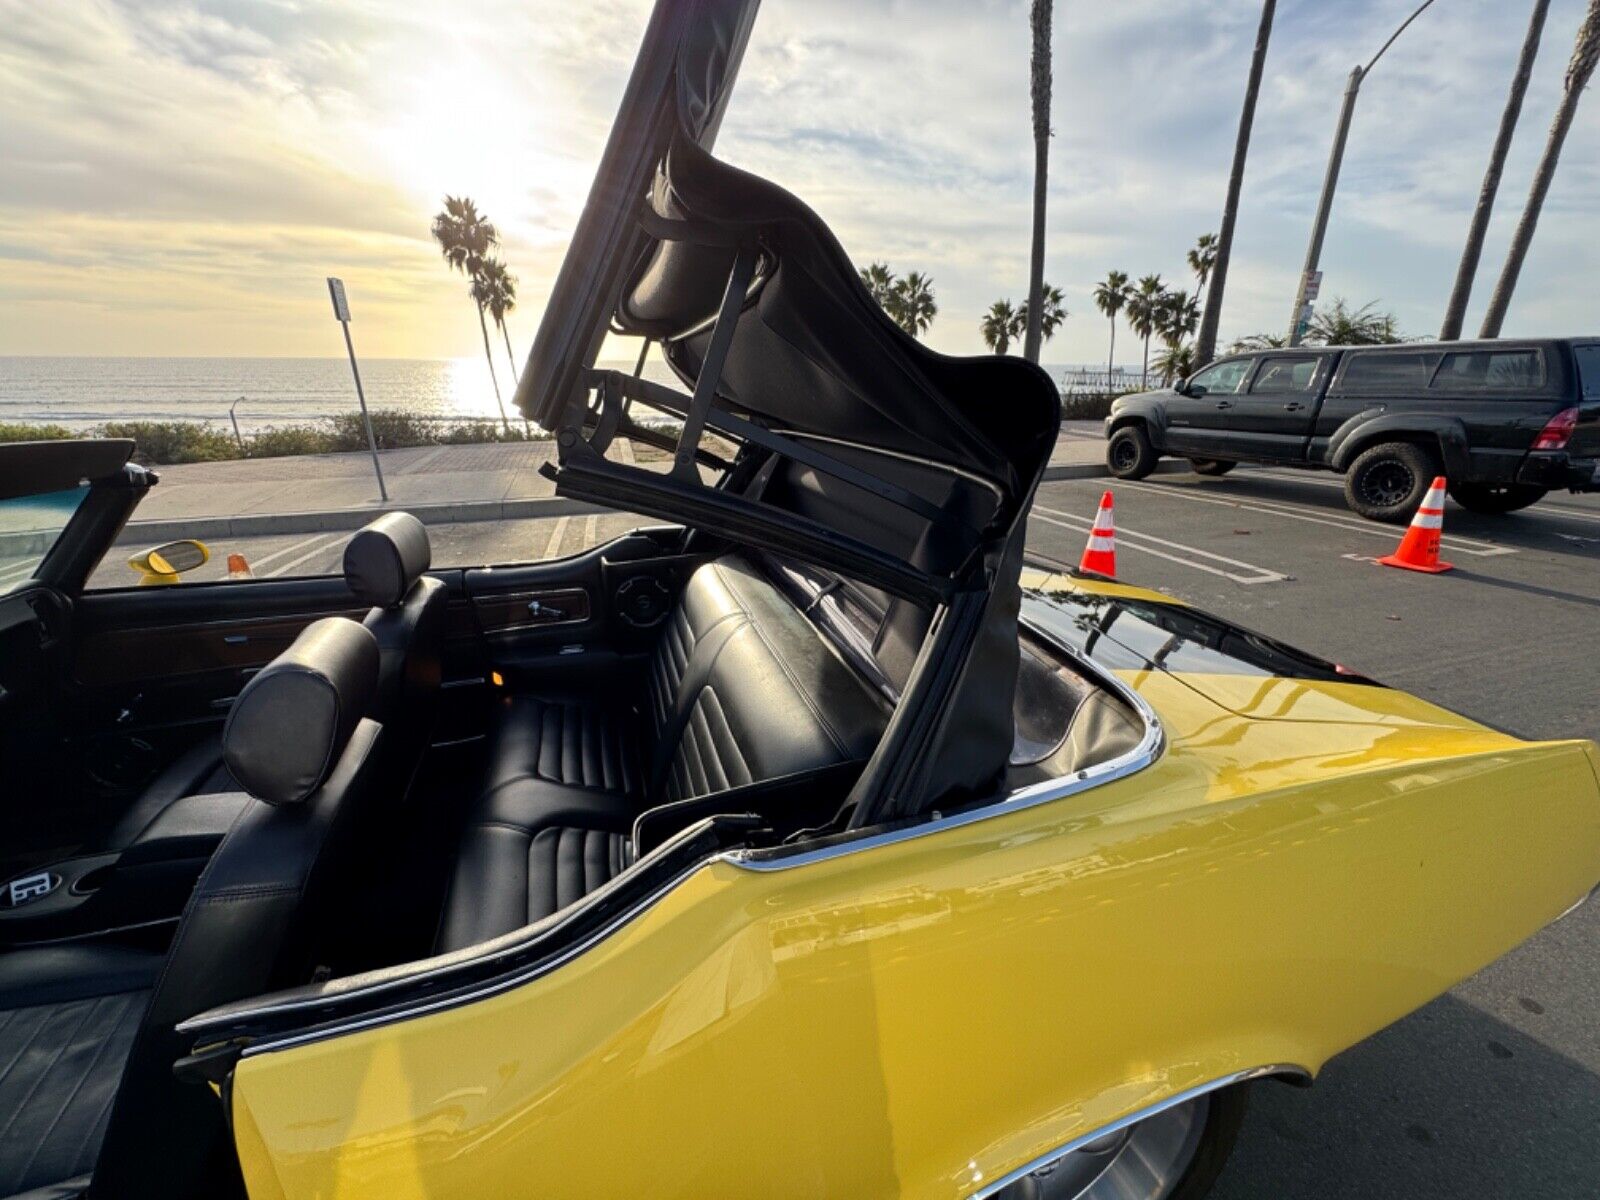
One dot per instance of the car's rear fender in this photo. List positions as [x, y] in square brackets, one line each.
[1445, 435]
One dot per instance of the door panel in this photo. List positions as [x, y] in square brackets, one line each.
[1272, 419]
[1195, 422]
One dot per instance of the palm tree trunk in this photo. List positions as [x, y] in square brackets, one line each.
[1144, 379]
[1584, 55]
[1455, 311]
[488, 357]
[512, 358]
[1039, 20]
[1206, 343]
[1111, 358]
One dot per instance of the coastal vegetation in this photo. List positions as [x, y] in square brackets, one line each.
[908, 299]
[467, 239]
[167, 443]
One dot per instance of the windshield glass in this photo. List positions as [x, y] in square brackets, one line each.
[29, 526]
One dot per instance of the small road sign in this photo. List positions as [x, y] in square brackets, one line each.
[341, 306]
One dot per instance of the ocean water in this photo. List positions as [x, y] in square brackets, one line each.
[82, 392]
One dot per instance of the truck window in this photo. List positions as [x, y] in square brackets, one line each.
[1490, 369]
[1225, 378]
[1588, 370]
[1279, 375]
[1387, 371]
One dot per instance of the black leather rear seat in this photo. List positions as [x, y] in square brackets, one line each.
[742, 688]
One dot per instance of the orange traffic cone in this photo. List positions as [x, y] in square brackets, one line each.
[238, 568]
[1419, 549]
[1100, 555]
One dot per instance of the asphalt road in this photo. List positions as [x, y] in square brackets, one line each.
[1494, 1089]
[1491, 1091]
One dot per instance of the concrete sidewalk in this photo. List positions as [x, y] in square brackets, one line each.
[440, 484]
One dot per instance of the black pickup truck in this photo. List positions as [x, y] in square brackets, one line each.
[1504, 422]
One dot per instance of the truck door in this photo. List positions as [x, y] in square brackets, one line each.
[1196, 413]
[1273, 417]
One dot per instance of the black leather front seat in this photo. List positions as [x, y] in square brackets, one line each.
[383, 566]
[88, 1099]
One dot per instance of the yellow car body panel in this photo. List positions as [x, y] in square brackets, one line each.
[919, 1017]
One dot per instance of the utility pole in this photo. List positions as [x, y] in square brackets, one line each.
[1311, 277]
[341, 312]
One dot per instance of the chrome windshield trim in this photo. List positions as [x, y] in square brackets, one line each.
[1044, 792]
[997, 1186]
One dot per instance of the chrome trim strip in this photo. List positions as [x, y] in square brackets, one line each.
[453, 1000]
[1083, 1139]
[1137, 759]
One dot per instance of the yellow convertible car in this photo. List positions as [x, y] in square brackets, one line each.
[806, 844]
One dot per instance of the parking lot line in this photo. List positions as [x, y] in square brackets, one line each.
[321, 548]
[1132, 540]
[1316, 480]
[289, 549]
[553, 547]
[1461, 545]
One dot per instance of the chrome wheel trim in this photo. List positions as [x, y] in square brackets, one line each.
[1145, 1161]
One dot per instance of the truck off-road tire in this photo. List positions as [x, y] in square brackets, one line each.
[1388, 481]
[1211, 466]
[1129, 454]
[1495, 498]
[1176, 1154]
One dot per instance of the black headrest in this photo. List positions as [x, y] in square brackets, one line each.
[291, 722]
[385, 558]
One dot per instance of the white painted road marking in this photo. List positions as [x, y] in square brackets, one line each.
[1462, 545]
[321, 548]
[554, 546]
[1131, 540]
[1317, 479]
[287, 550]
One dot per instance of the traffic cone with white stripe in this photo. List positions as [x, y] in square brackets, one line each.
[1419, 549]
[1100, 555]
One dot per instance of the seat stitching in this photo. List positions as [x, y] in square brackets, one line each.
[55, 1058]
[83, 1078]
[804, 695]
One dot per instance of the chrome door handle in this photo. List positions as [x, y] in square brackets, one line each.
[1224, 403]
[1293, 406]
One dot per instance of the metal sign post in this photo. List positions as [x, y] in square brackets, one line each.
[341, 312]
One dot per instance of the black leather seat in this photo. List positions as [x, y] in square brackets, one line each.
[741, 689]
[86, 1080]
[383, 566]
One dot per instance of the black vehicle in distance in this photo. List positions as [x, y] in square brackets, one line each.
[1504, 422]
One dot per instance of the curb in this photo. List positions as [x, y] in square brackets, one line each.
[339, 519]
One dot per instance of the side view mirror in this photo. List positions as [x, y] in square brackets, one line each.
[164, 563]
[1193, 390]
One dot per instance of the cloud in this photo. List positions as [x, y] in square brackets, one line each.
[177, 176]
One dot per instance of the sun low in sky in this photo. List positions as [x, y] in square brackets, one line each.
[178, 178]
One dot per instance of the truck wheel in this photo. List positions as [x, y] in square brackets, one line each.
[1129, 454]
[1175, 1155]
[1387, 482]
[1211, 466]
[1495, 498]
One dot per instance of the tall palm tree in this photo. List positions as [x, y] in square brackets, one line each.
[1178, 315]
[1054, 310]
[500, 297]
[465, 237]
[1039, 18]
[914, 308]
[879, 280]
[1202, 257]
[1585, 54]
[1109, 297]
[1144, 314]
[999, 325]
[1206, 343]
[1455, 311]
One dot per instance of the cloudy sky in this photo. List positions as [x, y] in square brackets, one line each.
[178, 177]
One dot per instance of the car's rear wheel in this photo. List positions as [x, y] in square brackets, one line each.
[1387, 482]
[1129, 454]
[1174, 1155]
[1211, 466]
[1495, 498]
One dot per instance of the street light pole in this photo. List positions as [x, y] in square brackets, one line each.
[1310, 279]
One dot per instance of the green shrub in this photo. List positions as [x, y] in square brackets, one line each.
[173, 441]
[285, 441]
[1085, 408]
[20, 431]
